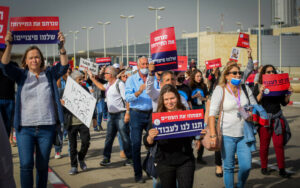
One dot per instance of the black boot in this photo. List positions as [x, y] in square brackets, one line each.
[265, 171]
[284, 174]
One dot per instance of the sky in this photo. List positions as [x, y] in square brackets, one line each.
[181, 14]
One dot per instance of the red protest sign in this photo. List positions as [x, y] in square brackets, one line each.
[4, 13]
[163, 49]
[182, 63]
[213, 63]
[34, 30]
[103, 61]
[132, 63]
[250, 79]
[243, 41]
[276, 84]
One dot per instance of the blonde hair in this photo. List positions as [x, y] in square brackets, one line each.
[227, 69]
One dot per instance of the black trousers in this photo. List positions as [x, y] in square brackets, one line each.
[184, 174]
[85, 142]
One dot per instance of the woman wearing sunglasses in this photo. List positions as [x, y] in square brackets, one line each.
[278, 129]
[232, 124]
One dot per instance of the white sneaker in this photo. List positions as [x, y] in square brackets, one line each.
[57, 155]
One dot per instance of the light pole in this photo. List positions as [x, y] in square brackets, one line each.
[156, 17]
[240, 25]
[148, 40]
[134, 50]
[127, 17]
[198, 30]
[74, 43]
[122, 50]
[87, 41]
[280, 57]
[186, 46]
[106, 23]
[259, 34]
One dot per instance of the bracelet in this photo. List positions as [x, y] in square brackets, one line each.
[63, 53]
[213, 136]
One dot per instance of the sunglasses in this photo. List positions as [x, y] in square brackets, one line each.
[107, 73]
[269, 72]
[236, 72]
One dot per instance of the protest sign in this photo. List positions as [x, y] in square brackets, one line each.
[213, 63]
[243, 41]
[4, 13]
[132, 63]
[250, 79]
[103, 61]
[276, 84]
[88, 65]
[235, 52]
[182, 63]
[163, 49]
[79, 101]
[34, 30]
[178, 124]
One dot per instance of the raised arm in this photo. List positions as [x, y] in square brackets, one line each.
[62, 50]
[7, 53]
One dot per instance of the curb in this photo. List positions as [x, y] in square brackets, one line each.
[55, 181]
[294, 103]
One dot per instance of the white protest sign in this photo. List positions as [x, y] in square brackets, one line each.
[79, 101]
[235, 54]
[86, 64]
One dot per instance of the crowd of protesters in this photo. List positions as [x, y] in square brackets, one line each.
[126, 99]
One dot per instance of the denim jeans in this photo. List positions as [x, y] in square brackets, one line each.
[116, 123]
[232, 145]
[100, 109]
[120, 141]
[138, 122]
[6, 110]
[37, 139]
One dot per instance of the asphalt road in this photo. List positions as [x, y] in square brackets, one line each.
[117, 175]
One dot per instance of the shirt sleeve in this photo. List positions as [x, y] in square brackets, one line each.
[11, 71]
[129, 90]
[150, 89]
[59, 70]
[216, 101]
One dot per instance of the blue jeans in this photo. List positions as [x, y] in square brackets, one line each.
[120, 141]
[100, 107]
[6, 110]
[104, 110]
[138, 122]
[116, 123]
[230, 146]
[39, 140]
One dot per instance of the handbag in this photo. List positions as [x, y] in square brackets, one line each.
[148, 163]
[206, 139]
[58, 136]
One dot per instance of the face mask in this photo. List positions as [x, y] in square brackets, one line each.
[144, 71]
[180, 79]
[235, 81]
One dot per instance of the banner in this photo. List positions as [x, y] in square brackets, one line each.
[276, 84]
[88, 65]
[78, 101]
[4, 13]
[34, 30]
[103, 61]
[182, 62]
[178, 124]
[235, 52]
[163, 49]
[243, 41]
[213, 63]
[132, 63]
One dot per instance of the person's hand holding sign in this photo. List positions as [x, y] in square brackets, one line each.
[261, 92]
[151, 68]
[249, 52]
[151, 135]
[8, 38]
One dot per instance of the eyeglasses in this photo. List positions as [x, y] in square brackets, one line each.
[107, 73]
[269, 72]
[236, 72]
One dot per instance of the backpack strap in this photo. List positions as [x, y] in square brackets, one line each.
[245, 91]
[118, 90]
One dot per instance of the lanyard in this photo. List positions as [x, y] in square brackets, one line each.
[237, 99]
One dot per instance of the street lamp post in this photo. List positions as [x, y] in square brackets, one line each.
[280, 55]
[259, 34]
[186, 46]
[240, 25]
[106, 23]
[87, 41]
[148, 40]
[198, 30]
[74, 47]
[134, 50]
[122, 50]
[127, 17]
[156, 17]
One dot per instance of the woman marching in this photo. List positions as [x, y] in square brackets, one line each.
[38, 109]
[232, 124]
[278, 130]
[174, 157]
